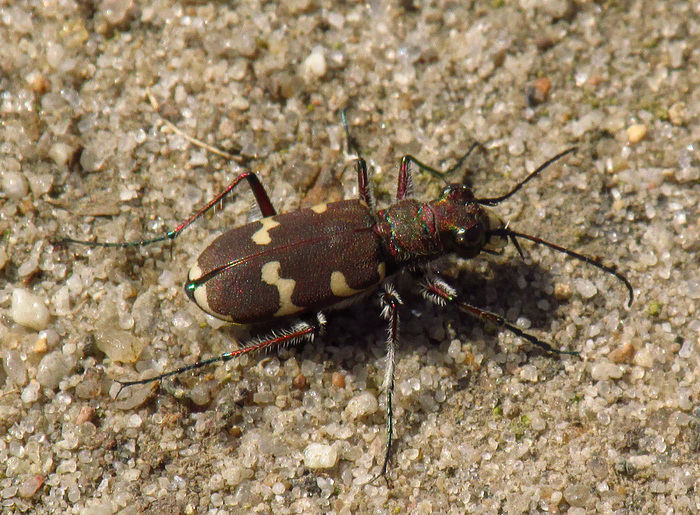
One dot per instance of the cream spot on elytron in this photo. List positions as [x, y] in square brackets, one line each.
[261, 236]
[381, 270]
[285, 287]
[320, 208]
[340, 287]
[200, 294]
[195, 272]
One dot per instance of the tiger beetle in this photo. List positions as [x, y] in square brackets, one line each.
[297, 265]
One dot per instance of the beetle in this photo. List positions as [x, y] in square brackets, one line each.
[299, 264]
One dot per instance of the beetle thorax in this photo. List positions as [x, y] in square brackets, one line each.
[408, 230]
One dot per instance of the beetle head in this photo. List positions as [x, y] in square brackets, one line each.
[465, 227]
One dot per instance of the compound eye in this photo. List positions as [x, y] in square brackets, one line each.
[469, 238]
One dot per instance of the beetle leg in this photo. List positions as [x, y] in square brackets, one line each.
[405, 186]
[302, 330]
[441, 293]
[363, 188]
[365, 192]
[261, 197]
[390, 302]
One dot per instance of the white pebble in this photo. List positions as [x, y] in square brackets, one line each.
[52, 369]
[119, 345]
[41, 184]
[362, 405]
[586, 288]
[14, 367]
[60, 153]
[31, 392]
[684, 400]
[529, 373]
[320, 456]
[604, 371]
[315, 65]
[131, 474]
[523, 323]
[14, 185]
[115, 10]
[645, 357]
[29, 310]
[134, 421]
[455, 351]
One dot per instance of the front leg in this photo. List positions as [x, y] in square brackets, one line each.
[404, 188]
[439, 292]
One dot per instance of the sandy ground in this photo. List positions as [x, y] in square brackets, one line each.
[485, 423]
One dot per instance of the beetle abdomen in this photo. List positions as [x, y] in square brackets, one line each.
[289, 264]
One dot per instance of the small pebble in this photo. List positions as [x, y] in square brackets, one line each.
[362, 405]
[604, 371]
[31, 392]
[529, 373]
[14, 366]
[297, 7]
[644, 357]
[586, 288]
[636, 133]
[14, 184]
[115, 10]
[685, 402]
[52, 369]
[120, 345]
[314, 65]
[40, 346]
[537, 93]
[39, 84]
[41, 184]
[29, 310]
[338, 380]
[622, 354]
[60, 153]
[562, 291]
[320, 456]
[577, 495]
[86, 414]
[523, 323]
[300, 382]
[678, 113]
[30, 486]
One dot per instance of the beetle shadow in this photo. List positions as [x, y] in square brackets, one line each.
[497, 289]
[492, 287]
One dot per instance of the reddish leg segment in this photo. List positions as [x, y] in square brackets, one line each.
[405, 183]
[261, 197]
[363, 188]
[301, 331]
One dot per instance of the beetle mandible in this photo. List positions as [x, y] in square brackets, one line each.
[296, 265]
